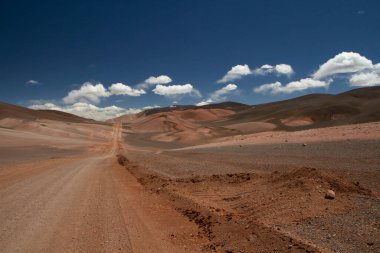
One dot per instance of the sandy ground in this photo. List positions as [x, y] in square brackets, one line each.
[265, 192]
[77, 187]
[82, 203]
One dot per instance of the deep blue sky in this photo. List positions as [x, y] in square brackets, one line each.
[63, 44]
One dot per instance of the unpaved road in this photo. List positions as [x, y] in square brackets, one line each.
[86, 203]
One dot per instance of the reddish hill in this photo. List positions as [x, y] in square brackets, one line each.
[316, 110]
[26, 114]
[192, 124]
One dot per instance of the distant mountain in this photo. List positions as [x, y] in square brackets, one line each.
[194, 124]
[225, 105]
[317, 110]
[23, 113]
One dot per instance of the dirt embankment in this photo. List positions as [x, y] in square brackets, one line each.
[249, 212]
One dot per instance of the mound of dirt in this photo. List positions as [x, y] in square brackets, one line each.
[227, 227]
[309, 178]
[232, 178]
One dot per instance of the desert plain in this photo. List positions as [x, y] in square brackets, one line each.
[223, 177]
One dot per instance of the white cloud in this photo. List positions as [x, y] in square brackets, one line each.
[263, 70]
[284, 69]
[238, 71]
[279, 69]
[172, 90]
[368, 77]
[300, 85]
[365, 79]
[32, 82]
[45, 106]
[151, 107]
[87, 93]
[345, 62]
[235, 73]
[158, 80]
[154, 80]
[41, 101]
[205, 102]
[122, 89]
[268, 87]
[219, 95]
[89, 111]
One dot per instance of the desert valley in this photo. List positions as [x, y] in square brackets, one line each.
[226, 177]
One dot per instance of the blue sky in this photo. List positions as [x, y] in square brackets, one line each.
[275, 49]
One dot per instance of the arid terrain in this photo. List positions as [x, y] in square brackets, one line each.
[224, 177]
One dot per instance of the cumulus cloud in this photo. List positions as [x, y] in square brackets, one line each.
[158, 80]
[219, 95]
[205, 102]
[235, 73]
[263, 70]
[173, 90]
[284, 69]
[32, 82]
[123, 89]
[239, 71]
[45, 106]
[151, 107]
[89, 111]
[365, 79]
[368, 77]
[300, 85]
[87, 93]
[154, 80]
[345, 62]
[279, 69]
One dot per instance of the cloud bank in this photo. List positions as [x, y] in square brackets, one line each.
[359, 70]
[303, 84]
[90, 111]
[173, 90]
[123, 89]
[239, 71]
[92, 93]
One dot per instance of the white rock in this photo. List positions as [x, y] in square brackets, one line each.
[330, 194]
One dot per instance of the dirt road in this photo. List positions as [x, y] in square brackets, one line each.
[86, 203]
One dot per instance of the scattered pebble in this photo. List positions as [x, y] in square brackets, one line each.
[330, 194]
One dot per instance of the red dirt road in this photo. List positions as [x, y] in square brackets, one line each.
[86, 203]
